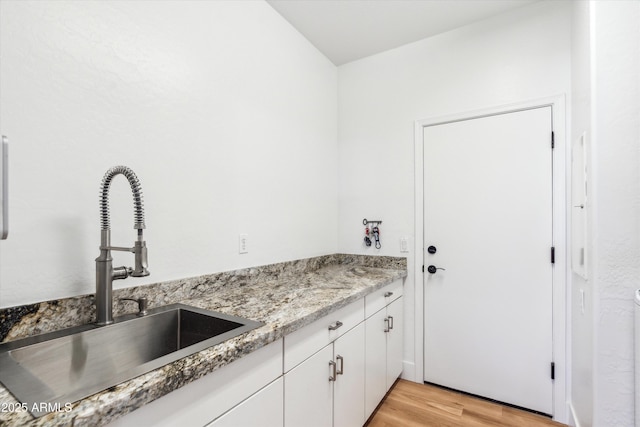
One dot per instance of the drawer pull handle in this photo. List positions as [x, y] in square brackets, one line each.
[390, 322]
[388, 294]
[335, 326]
[332, 365]
[386, 324]
[341, 370]
[4, 186]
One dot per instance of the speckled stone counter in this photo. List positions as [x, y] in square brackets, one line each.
[284, 296]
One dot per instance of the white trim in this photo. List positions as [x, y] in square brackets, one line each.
[560, 229]
[408, 370]
[573, 418]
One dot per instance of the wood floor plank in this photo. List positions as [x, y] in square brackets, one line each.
[528, 419]
[407, 394]
[410, 404]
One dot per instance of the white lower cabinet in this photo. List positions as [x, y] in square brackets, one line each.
[348, 388]
[384, 344]
[394, 342]
[376, 361]
[308, 393]
[327, 388]
[263, 409]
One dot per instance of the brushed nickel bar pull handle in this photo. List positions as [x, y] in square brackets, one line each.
[4, 152]
[335, 326]
[386, 324]
[391, 322]
[332, 365]
[388, 294]
[341, 370]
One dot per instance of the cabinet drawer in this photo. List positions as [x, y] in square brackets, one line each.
[380, 298]
[263, 409]
[203, 400]
[302, 343]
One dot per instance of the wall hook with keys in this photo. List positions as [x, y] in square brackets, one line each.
[376, 237]
[372, 231]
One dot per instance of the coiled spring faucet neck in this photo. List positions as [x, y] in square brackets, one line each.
[138, 205]
[105, 273]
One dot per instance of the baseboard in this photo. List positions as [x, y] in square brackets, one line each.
[573, 419]
[409, 372]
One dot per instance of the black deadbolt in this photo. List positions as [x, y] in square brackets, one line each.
[431, 249]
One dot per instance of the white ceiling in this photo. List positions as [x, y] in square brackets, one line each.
[346, 30]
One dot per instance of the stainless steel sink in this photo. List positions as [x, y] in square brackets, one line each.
[68, 365]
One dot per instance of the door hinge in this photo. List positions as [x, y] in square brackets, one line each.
[553, 371]
[553, 255]
[423, 268]
[553, 140]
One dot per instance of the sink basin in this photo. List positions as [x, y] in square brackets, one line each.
[65, 366]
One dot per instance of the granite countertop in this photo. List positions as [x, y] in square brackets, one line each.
[285, 297]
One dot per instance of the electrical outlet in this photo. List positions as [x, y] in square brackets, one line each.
[243, 242]
[404, 244]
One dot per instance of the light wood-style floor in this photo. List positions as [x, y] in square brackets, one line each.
[410, 404]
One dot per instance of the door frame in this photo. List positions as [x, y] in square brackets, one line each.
[559, 232]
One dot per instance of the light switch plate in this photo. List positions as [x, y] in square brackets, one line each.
[243, 242]
[404, 244]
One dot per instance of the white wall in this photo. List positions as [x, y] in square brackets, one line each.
[606, 105]
[515, 57]
[616, 164]
[581, 399]
[225, 112]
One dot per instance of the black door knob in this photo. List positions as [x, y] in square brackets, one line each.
[432, 269]
[432, 249]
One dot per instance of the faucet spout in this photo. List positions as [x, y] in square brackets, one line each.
[105, 272]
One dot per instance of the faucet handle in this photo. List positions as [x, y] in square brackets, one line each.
[142, 304]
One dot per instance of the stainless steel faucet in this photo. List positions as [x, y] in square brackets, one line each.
[105, 273]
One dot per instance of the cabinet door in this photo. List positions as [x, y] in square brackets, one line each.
[394, 341]
[375, 361]
[263, 409]
[348, 389]
[308, 393]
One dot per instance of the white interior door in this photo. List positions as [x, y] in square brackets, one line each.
[488, 214]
